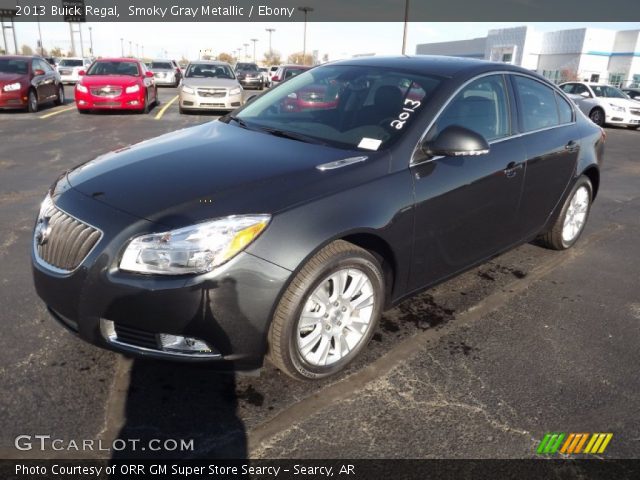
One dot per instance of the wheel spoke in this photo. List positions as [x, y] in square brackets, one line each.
[307, 343]
[309, 319]
[363, 301]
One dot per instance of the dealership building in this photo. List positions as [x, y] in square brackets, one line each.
[588, 54]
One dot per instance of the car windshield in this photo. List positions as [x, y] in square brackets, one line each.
[160, 66]
[11, 65]
[69, 62]
[343, 106]
[114, 68]
[607, 92]
[208, 70]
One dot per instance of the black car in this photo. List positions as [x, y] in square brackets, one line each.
[249, 75]
[633, 93]
[287, 232]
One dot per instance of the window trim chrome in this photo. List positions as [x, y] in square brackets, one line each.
[554, 88]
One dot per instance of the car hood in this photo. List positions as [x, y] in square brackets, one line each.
[210, 82]
[96, 80]
[6, 78]
[213, 170]
[620, 102]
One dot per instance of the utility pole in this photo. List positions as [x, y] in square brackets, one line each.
[40, 40]
[254, 40]
[122, 47]
[270, 30]
[306, 11]
[246, 55]
[130, 50]
[90, 41]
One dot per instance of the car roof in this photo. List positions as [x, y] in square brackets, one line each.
[168, 60]
[439, 65]
[208, 62]
[118, 59]
[20, 57]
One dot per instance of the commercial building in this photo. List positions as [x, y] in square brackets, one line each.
[589, 54]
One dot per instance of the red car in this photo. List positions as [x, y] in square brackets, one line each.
[116, 84]
[313, 97]
[28, 82]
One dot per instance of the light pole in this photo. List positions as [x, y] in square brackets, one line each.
[40, 36]
[270, 30]
[246, 55]
[406, 23]
[254, 40]
[122, 46]
[90, 41]
[130, 50]
[137, 51]
[306, 11]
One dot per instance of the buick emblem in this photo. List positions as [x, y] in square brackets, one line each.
[43, 230]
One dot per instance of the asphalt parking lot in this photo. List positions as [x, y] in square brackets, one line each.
[480, 367]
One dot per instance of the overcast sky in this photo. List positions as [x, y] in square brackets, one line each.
[337, 40]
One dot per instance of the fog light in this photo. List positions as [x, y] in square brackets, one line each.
[133, 102]
[178, 343]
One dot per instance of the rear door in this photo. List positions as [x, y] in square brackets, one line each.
[547, 121]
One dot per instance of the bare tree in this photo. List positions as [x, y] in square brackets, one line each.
[225, 57]
[272, 58]
[298, 59]
[26, 50]
[56, 52]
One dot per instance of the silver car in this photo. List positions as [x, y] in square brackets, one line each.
[209, 85]
[166, 72]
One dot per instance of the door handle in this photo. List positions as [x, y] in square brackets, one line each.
[572, 146]
[512, 169]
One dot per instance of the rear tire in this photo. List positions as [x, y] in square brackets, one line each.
[333, 303]
[569, 225]
[146, 108]
[60, 98]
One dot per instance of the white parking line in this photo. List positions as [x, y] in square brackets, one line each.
[167, 105]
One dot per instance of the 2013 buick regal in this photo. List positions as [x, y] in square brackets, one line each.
[287, 232]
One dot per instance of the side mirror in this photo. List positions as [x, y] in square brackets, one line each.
[456, 141]
[82, 73]
[38, 72]
[148, 74]
[585, 94]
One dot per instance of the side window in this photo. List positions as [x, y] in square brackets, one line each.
[564, 110]
[34, 65]
[580, 89]
[537, 104]
[568, 88]
[482, 106]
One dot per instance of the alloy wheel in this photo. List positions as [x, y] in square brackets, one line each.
[576, 215]
[336, 317]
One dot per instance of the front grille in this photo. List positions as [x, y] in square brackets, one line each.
[63, 241]
[211, 92]
[136, 337]
[106, 91]
[212, 104]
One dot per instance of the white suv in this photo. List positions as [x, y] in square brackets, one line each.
[604, 104]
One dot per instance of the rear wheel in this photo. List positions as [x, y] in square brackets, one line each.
[146, 108]
[597, 116]
[328, 313]
[60, 97]
[569, 225]
[32, 102]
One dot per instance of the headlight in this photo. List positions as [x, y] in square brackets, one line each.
[235, 91]
[188, 90]
[12, 87]
[195, 249]
[616, 108]
[132, 89]
[81, 88]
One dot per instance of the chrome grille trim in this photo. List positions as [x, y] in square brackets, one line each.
[71, 241]
[112, 91]
[212, 92]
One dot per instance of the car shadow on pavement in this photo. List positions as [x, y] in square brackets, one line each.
[171, 405]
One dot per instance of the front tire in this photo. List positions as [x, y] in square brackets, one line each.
[597, 116]
[328, 313]
[32, 102]
[568, 227]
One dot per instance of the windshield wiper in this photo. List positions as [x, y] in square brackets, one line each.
[300, 137]
[228, 118]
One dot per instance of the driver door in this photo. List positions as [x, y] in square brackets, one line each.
[466, 207]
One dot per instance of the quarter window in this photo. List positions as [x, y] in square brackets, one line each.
[537, 104]
[564, 110]
[482, 106]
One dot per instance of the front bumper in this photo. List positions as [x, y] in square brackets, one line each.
[193, 101]
[229, 308]
[252, 82]
[627, 118]
[124, 101]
